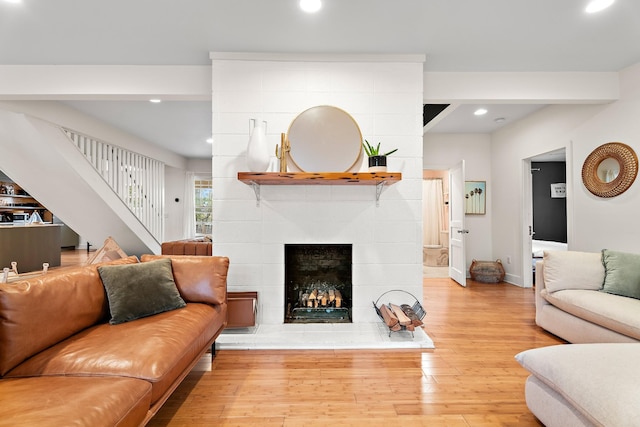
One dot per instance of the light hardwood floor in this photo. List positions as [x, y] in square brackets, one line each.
[469, 379]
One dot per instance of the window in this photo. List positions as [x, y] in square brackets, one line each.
[203, 205]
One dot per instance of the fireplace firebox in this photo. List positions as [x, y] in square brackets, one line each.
[318, 286]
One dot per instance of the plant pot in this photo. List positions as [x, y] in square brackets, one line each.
[378, 164]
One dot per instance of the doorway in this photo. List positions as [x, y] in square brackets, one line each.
[545, 209]
[435, 215]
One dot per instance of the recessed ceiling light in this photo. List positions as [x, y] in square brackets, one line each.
[598, 5]
[155, 100]
[310, 6]
[13, 1]
[209, 140]
[499, 120]
[480, 111]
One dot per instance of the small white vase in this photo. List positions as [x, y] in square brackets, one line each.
[257, 152]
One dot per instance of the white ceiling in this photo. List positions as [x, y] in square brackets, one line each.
[463, 119]
[455, 35]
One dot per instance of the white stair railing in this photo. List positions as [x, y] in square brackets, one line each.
[138, 180]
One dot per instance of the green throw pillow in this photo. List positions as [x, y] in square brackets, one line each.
[622, 273]
[140, 290]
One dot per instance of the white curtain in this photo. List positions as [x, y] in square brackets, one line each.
[189, 229]
[432, 211]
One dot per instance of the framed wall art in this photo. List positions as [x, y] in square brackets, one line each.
[475, 197]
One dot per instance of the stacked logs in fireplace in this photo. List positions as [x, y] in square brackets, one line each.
[316, 298]
[318, 304]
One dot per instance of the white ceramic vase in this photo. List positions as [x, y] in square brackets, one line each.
[257, 152]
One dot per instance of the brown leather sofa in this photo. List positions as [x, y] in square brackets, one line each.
[63, 363]
[196, 246]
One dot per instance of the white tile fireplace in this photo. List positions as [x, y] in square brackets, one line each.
[384, 95]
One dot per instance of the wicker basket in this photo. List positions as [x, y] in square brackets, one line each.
[487, 271]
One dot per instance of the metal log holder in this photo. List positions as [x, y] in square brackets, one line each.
[417, 308]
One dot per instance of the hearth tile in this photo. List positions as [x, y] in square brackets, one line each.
[324, 336]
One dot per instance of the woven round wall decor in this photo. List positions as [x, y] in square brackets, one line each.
[627, 160]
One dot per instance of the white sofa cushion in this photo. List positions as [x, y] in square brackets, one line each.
[613, 312]
[602, 381]
[573, 270]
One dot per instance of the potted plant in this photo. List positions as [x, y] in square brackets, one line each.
[377, 161]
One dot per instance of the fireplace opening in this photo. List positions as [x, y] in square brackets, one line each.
[318, 287]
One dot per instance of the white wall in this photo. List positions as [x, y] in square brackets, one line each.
[546, 130]
[175, 189]
[199, 166]
[608, 223]
[593, 223]
[174, 211]
[442, 151]
[386, 101]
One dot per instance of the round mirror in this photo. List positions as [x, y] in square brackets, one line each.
[610, 169]
[324, 139]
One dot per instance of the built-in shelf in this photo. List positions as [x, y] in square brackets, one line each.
[17, 208]
[14, 200]
[16, 196]
[379, 179]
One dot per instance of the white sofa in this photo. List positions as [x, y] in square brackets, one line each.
[597, 381]
[583, 384]
[570, 302]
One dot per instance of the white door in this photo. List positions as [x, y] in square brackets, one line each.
[457, 231]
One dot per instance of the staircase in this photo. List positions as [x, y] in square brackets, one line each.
[97, 189]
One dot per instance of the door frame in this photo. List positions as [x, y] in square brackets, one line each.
[527, 224]
[527, 210]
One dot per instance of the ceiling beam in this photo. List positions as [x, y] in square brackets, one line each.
[105, 82]
[193, 83]
[521, 87]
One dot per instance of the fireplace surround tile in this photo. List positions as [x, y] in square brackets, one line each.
[385, 99]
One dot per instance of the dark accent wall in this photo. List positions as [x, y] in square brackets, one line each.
[549, 214]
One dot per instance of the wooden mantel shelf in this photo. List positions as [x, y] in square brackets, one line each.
[379, 179]
[319, 178]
